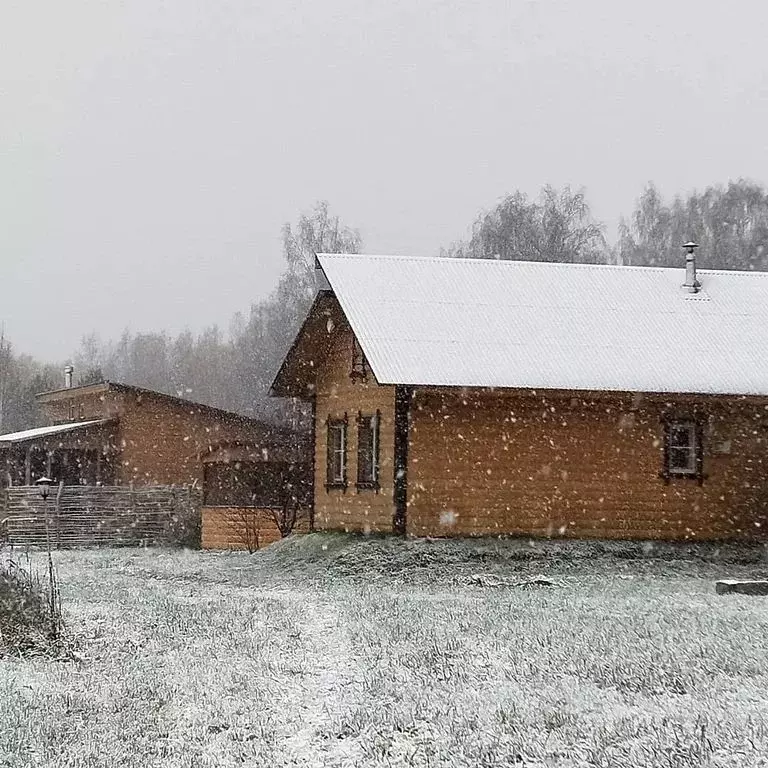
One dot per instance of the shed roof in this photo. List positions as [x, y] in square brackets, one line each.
[538, 325]
[190, 406]
[38, 432]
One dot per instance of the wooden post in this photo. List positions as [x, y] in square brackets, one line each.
[56, 512]
[313, 438]
[28, 466]
[403, 397]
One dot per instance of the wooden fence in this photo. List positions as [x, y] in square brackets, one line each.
[92, 516]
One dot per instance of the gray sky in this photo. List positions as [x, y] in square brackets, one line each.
[151, 150]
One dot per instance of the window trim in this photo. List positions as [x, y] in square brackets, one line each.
[372, 422]
[697, 472]
[331, 481]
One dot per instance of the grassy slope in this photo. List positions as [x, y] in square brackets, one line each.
[330, 651]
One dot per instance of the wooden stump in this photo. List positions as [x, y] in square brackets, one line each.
[735, 586]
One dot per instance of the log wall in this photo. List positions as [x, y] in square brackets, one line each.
[560, 465]
[243, 528]
[161, 441]
[337, 394]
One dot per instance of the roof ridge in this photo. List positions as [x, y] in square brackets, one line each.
[541, 264]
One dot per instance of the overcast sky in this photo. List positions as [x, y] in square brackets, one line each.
[150, 150]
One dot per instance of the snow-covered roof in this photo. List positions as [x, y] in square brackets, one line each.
[487, 323]
[32, 434]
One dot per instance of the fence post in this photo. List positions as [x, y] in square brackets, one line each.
[6, 495]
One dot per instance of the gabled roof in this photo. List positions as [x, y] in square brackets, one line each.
[38, 432]
[297, 372]
[537, 325]
[190, 405]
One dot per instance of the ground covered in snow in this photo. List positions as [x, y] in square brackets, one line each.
[335, 651]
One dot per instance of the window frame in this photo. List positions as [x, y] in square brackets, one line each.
[333, 480]
[372, 423]
[695, 469]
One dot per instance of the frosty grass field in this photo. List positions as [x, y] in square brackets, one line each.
[331, 651]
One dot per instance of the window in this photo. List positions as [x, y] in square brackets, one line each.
[368, 451]
[682, 450]
[359, 365]
[337, 453]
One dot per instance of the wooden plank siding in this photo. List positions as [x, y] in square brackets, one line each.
[161, 441]
[565, 465]
[232, 527]
[158, 439]
[84, 405]
[336, 395]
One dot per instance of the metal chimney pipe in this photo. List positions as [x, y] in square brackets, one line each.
[691, 281]
[68, 371]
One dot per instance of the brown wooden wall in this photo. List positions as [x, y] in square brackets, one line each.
[160, 441]
[235, 528]
[337, 394]
[498, 463]
[84, 405]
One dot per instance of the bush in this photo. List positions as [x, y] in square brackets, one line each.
[30, 607]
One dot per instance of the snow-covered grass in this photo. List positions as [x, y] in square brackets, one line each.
[332, 651]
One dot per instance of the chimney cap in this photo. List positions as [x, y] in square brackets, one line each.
[690, 245]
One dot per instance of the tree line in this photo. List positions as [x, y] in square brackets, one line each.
[233, 369]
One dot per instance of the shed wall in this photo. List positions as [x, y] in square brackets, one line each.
[235, 527]
[160, 441]
[83, 406]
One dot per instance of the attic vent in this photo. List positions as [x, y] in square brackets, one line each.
[691, 281]
[359, 370]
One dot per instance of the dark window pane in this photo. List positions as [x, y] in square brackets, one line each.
[681, 447]
[681, 458]
[367, 450]
[681, 436]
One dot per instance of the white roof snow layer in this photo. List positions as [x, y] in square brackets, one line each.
[487, 323]
[31, 434]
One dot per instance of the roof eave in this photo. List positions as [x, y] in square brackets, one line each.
[65, 430]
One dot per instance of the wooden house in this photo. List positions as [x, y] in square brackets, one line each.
[112, 434]
[482, 397]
